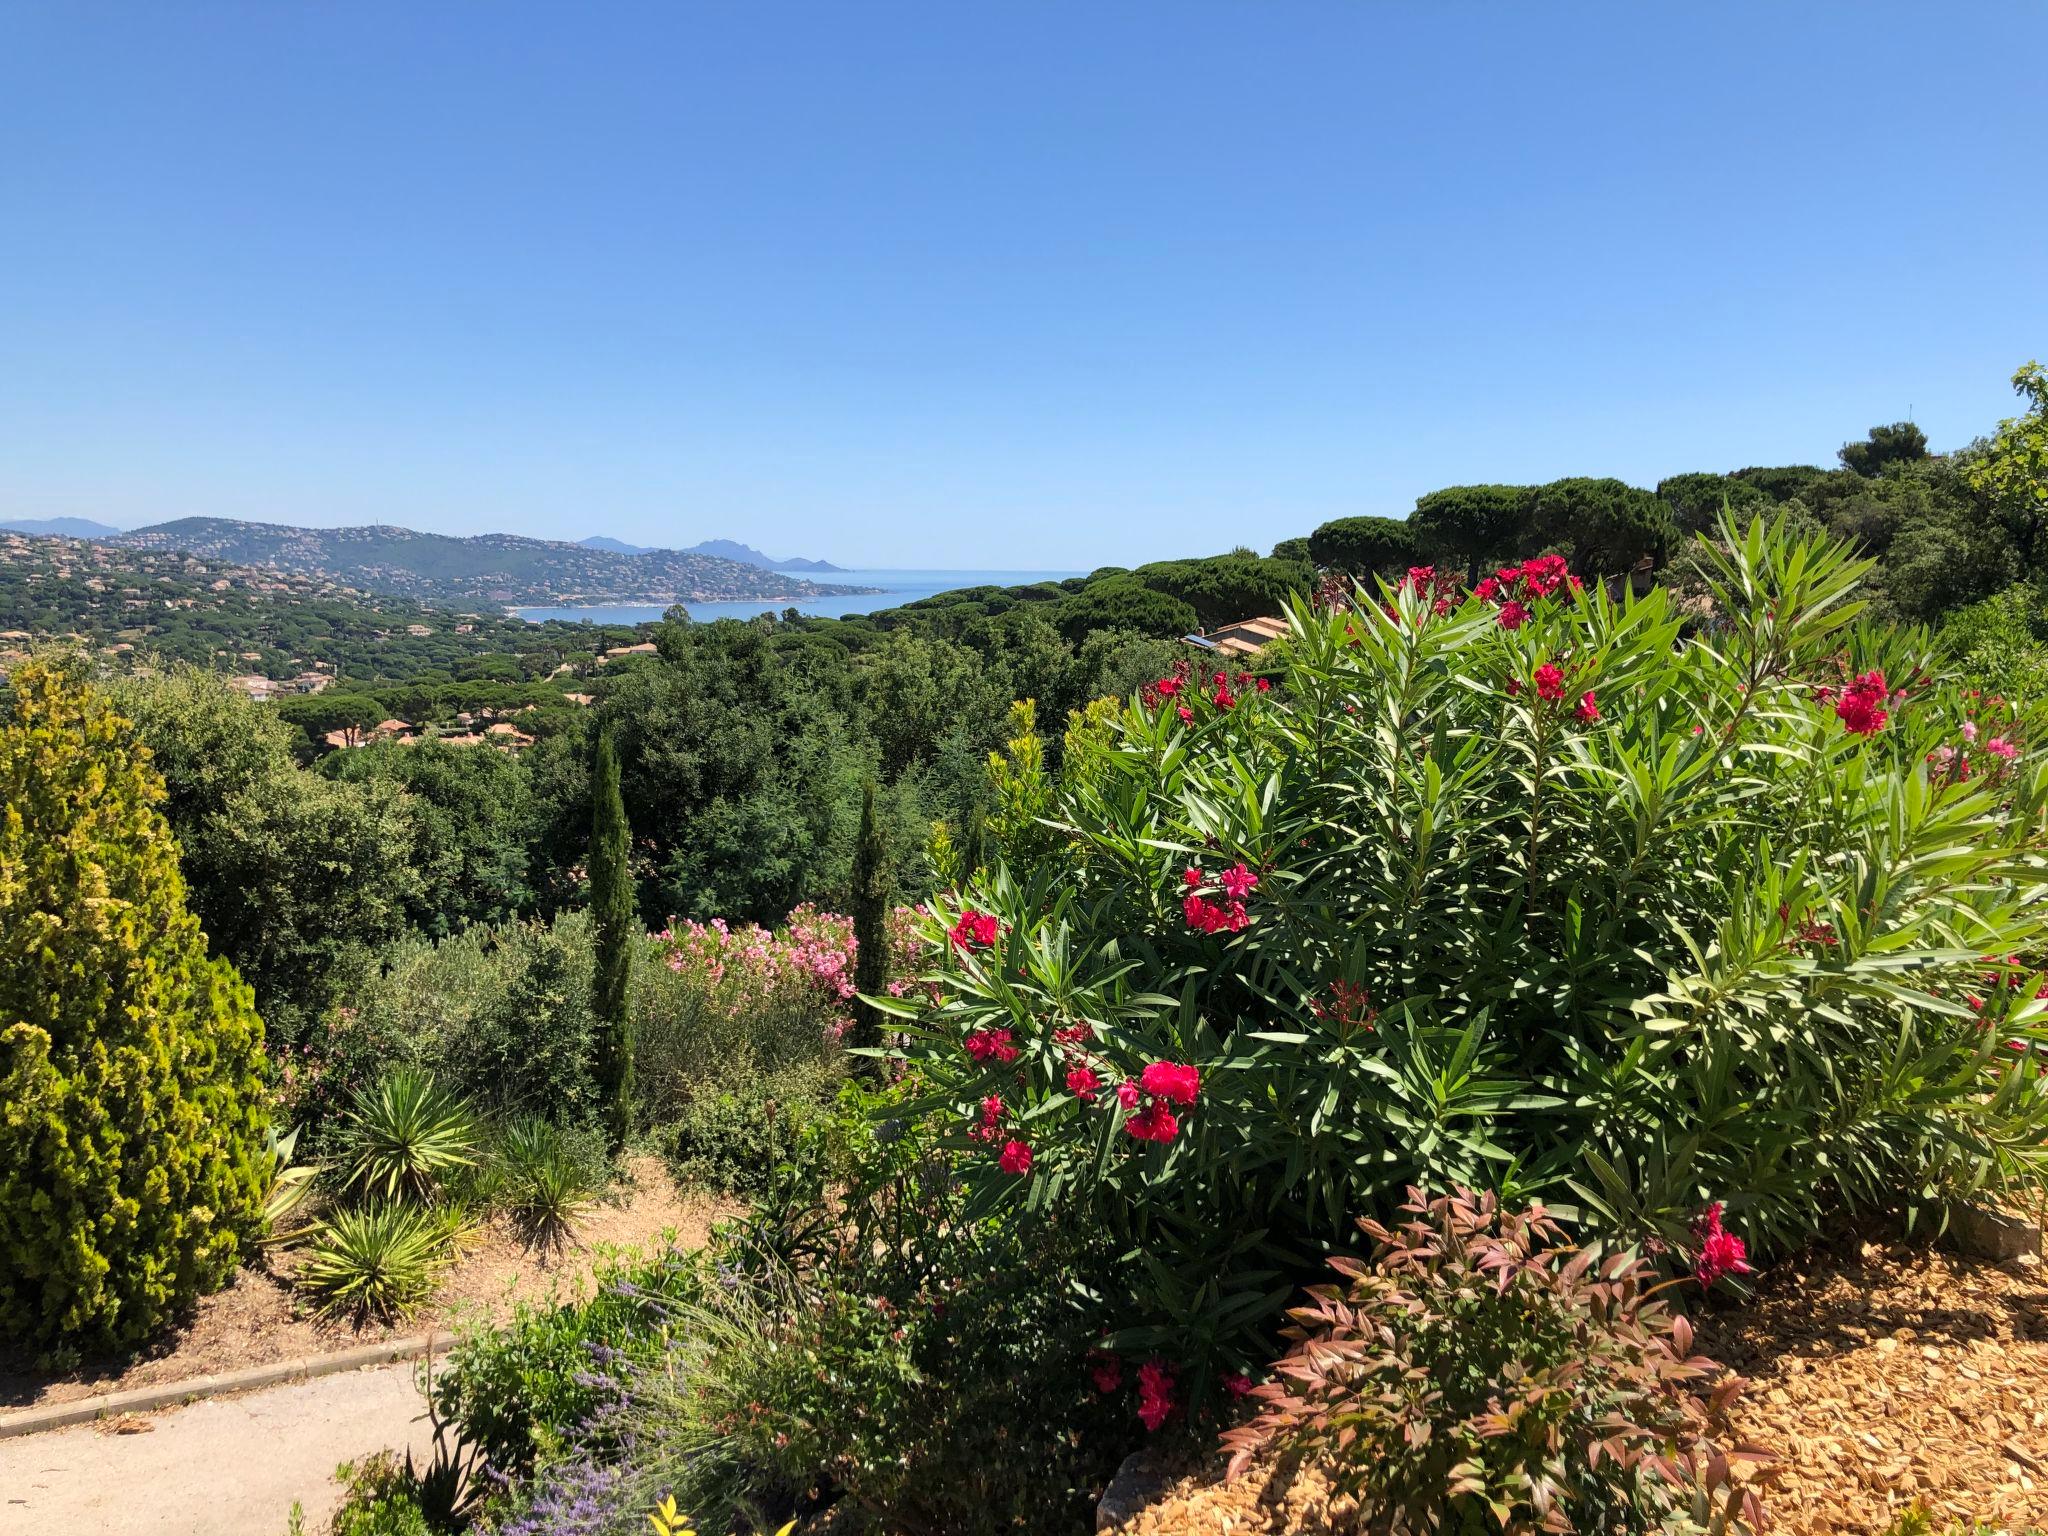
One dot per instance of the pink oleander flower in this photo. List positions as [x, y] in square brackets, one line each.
[1998, 746]
[1238, 882]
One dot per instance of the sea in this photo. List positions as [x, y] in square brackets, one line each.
[897, 588]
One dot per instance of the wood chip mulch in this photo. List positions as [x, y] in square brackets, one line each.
[1884, 1375]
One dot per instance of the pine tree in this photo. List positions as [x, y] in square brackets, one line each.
[617, 924]
[870, 927]
[132, 1107]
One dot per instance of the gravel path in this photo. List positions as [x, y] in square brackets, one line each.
[229, 1466]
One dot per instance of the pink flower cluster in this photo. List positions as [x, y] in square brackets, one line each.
[1719, 1251]
[1227, 916]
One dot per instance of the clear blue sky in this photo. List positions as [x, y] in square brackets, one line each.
[1001, 283]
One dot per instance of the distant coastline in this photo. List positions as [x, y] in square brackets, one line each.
[877, 590]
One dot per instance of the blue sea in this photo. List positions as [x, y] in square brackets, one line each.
[898, 588]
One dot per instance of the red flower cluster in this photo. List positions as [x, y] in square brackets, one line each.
[1861, 706]
[1155, 1393]
[1228, 916]
[1721, 1252]
[975, 930]
[1535, 578]
[991, 1119]
[987, 1045]
[1588, 709]
[1549, 683]
[1171, 1080]
[1161, 1085]
[1016, 1158]
[1083, 1084]
[1105, 1370]
[1438, 588]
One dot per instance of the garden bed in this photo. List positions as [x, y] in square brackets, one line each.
[1884, 1375]
[259, 1319]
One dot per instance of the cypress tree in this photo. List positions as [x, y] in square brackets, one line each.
[870, 928]
[617, 924]
[132, 1108]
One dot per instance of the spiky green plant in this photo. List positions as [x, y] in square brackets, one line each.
[379, 1261]
[548, 1181]
[407, 1135]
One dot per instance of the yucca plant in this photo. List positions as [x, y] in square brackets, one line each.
[548, 1181]
[407, 1135]
[379, 1261]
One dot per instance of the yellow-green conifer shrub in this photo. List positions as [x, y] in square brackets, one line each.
[132, 1109]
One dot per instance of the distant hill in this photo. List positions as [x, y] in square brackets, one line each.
[719, 549]
[61, 527]
[499, 568]
[746, 554]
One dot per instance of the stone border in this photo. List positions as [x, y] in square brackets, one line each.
[31, 1421]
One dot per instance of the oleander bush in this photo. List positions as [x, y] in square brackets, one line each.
[133, 1115]
[1526, 888]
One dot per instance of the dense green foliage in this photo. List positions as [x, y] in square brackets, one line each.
[1363, 547]
[1561, 907]
[870, 905]
[132, 1110]
[616, 928]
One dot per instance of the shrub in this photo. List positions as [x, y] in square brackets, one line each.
[733, 1141]
[716, 1002]
[132, 1111]
[407, 1135]
[1479, 1371]
[518, 1391]
[1540, 899]
[380, 1261]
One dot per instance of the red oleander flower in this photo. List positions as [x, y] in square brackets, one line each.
[1016, 1158]
[1172, 1081]
[1187, 716]
[1588, 709]
[1549, 683]
[1155, 1393]
[1155, 1122]
[1861, 706]
[1084, 1085]
[1105, 1370]
[986, 1045]
[1238, 882]
[975, 930]
[1127, 1094]
[1237, 1384]
[1512, 615]
[1721, 1252]
[1167, 687]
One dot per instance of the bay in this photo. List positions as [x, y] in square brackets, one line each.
[898, 588]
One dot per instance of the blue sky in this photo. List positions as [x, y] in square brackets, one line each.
[1003, 284]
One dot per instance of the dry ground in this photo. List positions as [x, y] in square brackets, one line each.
[259, 1318]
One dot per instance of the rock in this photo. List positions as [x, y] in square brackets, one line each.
[1138, 1482]
[1988, 1234]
